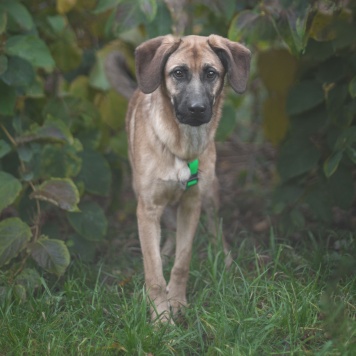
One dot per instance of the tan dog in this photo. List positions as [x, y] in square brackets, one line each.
[171, 121]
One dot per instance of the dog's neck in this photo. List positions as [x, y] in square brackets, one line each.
[193, 141]
[183, 141]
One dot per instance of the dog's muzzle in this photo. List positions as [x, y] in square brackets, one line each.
[195, 113]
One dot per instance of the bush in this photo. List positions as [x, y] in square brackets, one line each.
[60, 126]
[310, 109]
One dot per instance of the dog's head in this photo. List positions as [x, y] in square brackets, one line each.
[192, 70]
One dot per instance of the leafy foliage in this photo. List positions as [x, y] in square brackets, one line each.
[10, 189]
[310, 109]
[51, 254]
[57, 118]
[14, 235]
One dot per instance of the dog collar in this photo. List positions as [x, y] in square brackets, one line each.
[193, 179]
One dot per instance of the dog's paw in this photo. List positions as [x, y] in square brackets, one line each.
[163, 318]
[178, 305]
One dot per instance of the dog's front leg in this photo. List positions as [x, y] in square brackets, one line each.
[187, 221]
[148, 217]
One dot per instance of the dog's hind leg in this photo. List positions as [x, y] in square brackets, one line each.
[211, 204]
[169, 219]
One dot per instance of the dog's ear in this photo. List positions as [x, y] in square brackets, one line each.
[151, 57]
[235, 58]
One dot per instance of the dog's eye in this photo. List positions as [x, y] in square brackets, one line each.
[179, 74]
[211, 74]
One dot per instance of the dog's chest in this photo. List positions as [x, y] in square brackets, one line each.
[171, 183]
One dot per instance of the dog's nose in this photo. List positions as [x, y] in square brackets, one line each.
[197, 108]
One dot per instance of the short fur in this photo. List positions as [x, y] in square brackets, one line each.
[171, 120]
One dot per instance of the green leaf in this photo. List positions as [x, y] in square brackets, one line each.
[95, 173]
[14, 235]
[61, 192]
[344, 33]
[7, 99]
[297, 156]
[82, 248]
[351, 153]
[10, 188]
[36, 89]
[31, 48]
[340, 187]
[97, 76]
[19, 14]
[161, 23]
[64, 109]
[3, 20]
[112, 107]
[90, 223]
[64, 6]
[291, 27]
[149, 8]
[52, 130]
[251, 27]
[52, 255]
[104, 5]
[79, 87]
[285, 195]
[29, 278]
[345, 138]
[335, 102]
[318, 51]
[25, 153]
[227, 123]
[128, 16]
[304, 96]
[320, 202]
[320, 27]
[309, 122]
[352, 88]
[56, 160]
[19, 292]
[5, 148]
[90, 139]
[3, 63]
[332, 70]
[58, 23]
[73, 112]
[332, 162]
[19, 72]
[338, 190]
[118, 144]
[66, 52]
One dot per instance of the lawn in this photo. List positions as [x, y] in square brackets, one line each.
[277, 298]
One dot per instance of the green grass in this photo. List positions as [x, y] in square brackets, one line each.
[277, 300]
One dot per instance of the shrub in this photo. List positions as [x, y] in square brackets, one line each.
[60, 126]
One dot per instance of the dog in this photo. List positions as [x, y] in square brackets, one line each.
[171, 122]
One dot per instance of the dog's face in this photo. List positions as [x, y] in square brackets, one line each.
[191, 70]
[194, 77]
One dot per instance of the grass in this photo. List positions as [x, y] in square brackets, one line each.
[277, 300]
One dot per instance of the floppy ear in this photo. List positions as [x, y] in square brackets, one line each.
[235, 59]
[151, 57]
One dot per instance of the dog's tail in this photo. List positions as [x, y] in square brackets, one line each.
[119, 74]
